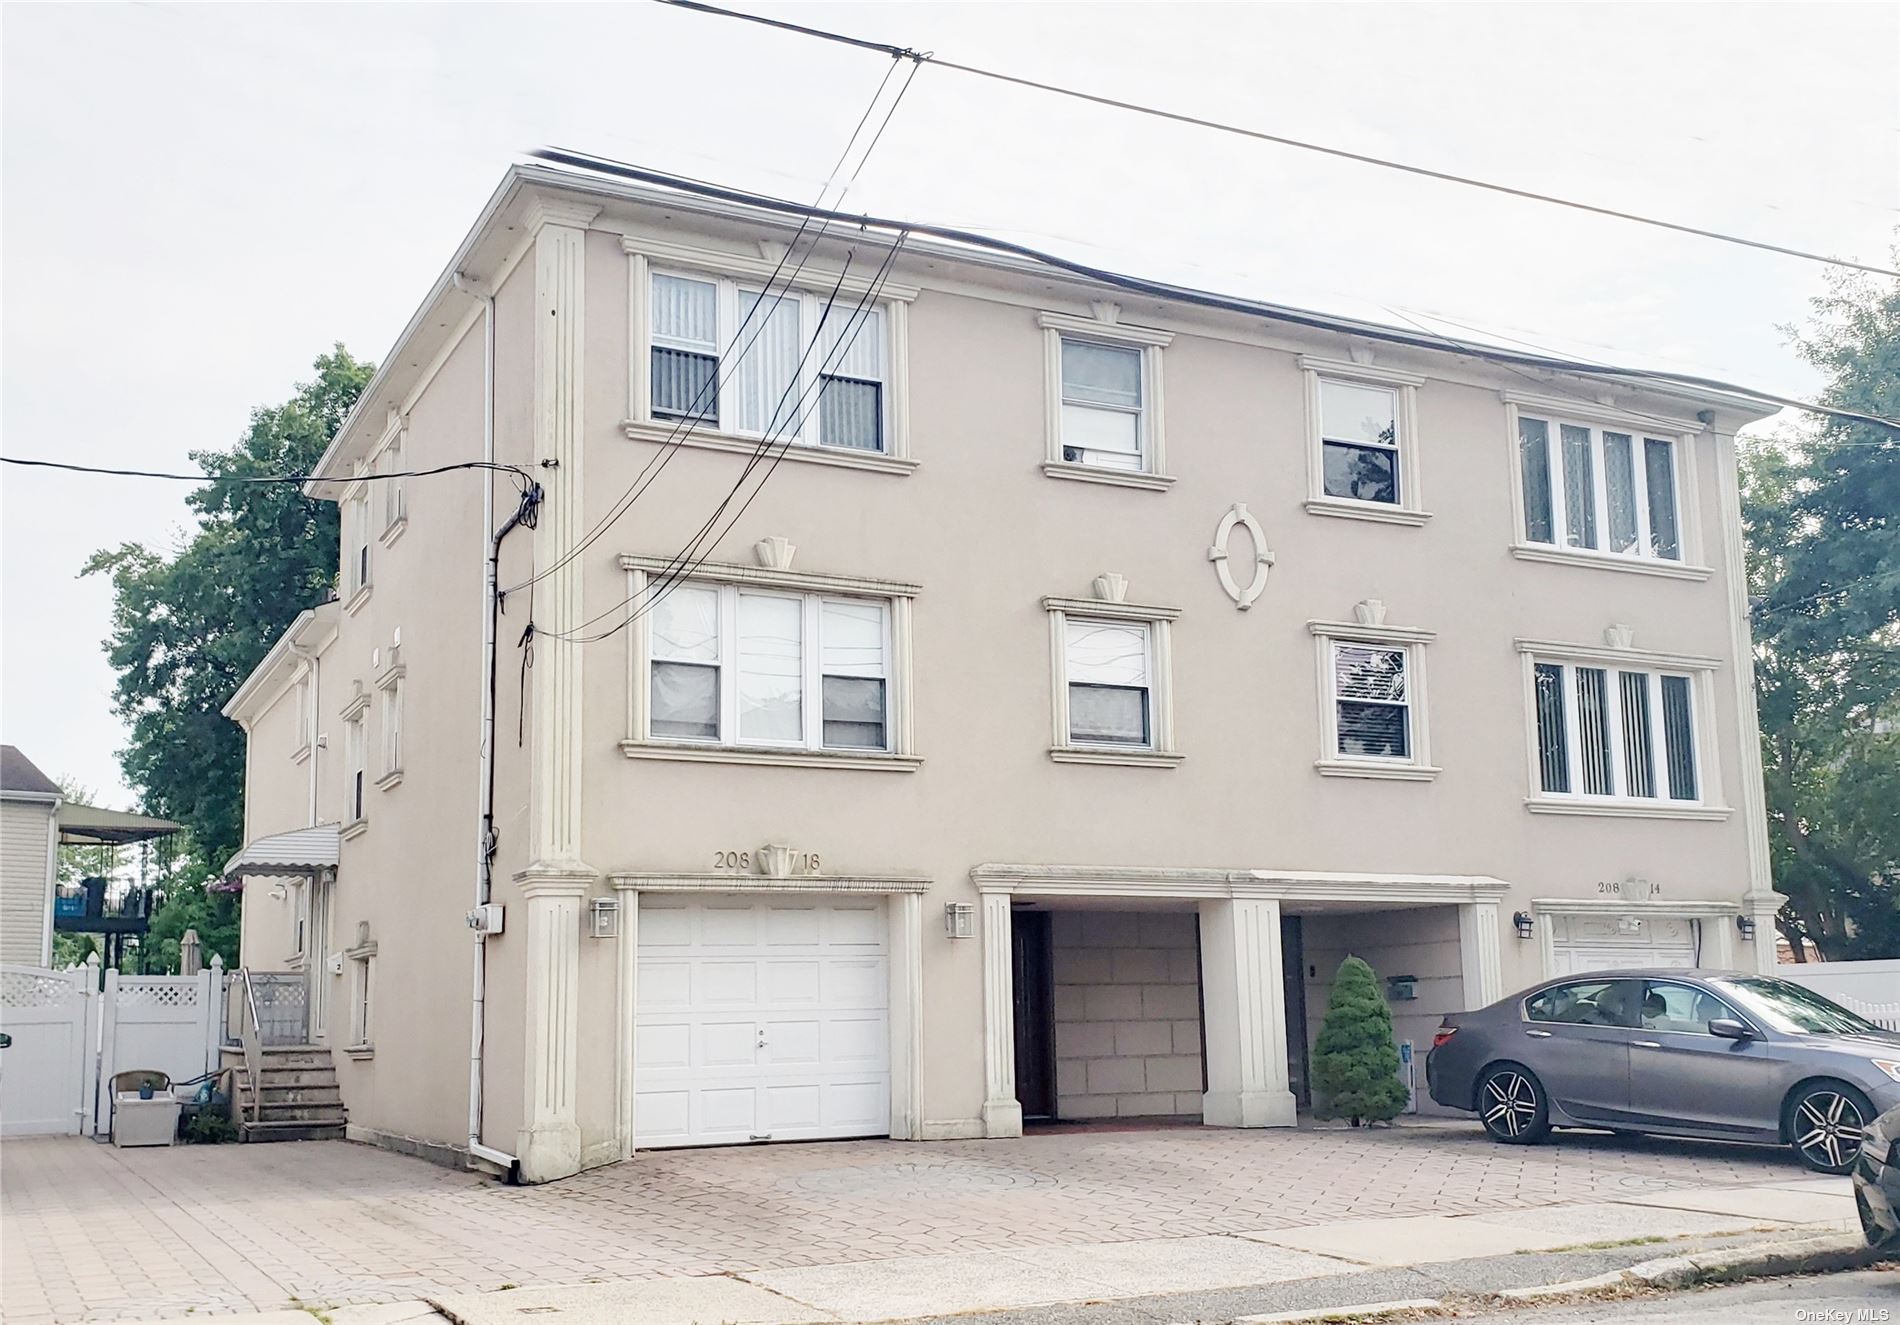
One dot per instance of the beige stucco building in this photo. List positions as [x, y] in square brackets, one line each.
[1069, 677]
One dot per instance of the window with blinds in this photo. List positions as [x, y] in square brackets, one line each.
[1615, 732]
[1372, 711]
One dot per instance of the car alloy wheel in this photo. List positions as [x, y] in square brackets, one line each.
[1511, 1105]
[1826, 1127]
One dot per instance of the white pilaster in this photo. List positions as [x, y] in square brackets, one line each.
[1002, 1113]
[1762, 905]
[905, 918]
[549, 1144]
[1480, 953]
[1245, 1015]
[626, 971]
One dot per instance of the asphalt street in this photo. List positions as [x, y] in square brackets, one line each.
[1860, 1297]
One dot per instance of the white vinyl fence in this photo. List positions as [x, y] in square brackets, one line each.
[1869, 988]
[70, 1037]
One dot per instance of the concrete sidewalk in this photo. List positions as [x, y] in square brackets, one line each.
[1307, 1266]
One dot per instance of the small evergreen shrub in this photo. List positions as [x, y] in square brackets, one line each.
[206, 1128]
[1356, 1061]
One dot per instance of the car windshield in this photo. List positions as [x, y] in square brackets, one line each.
[1794, 1010]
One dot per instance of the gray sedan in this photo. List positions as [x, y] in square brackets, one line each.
[1716, 1054]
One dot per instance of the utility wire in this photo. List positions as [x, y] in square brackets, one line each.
[1282, 140]
[730, 361]
[1201, 298]
[521, 475]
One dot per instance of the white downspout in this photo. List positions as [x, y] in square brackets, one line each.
[485, 769]
[315, 700]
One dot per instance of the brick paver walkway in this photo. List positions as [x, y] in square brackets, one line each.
[88, 1232]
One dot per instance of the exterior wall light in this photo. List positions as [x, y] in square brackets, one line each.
[1746, 925]
[1525, 925]
[959, 919]
[603, 917]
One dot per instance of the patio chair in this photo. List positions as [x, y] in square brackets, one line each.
[146, 1122]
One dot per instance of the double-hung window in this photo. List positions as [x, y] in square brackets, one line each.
[737, 666]
[773, 364]
[356, 541]
[1372, 697]
[1598, 488]
[356, 764]
[1359, 441]
[1619, 733]
[395, 492]
[391, 688]
[1104, 400]
[1109, 679]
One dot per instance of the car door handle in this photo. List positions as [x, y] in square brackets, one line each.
[1645, 1044]
[1538, 1035]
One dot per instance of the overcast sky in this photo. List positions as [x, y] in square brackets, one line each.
[196, 200]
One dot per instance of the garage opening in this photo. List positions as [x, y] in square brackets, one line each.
[1108, 1014]
[761, 1018]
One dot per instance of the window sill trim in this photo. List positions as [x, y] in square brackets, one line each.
[360, 1052]
[355, 828]
[301, 754]
[393, 531]
[1668, 570]
[1626, 809]
[1395, 771]
[356, 600]
[1119, 478]
[1082, 754]
[1377, 512]
[393, 778]
[771, 758]
[663, 433]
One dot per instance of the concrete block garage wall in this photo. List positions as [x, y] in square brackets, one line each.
[1421, 941]
[1127, 1013]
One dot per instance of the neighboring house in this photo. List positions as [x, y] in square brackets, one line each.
[1035, 744]
[29, 841]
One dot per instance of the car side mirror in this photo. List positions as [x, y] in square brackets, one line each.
[1727, 1029]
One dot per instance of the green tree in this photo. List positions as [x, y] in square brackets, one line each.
[190, 904]
[1821, 508]
[188, 628]
[1356, 1059]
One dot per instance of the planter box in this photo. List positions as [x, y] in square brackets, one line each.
[137, 1122]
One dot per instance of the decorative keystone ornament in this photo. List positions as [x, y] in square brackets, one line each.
[1369, 611]
[775, 553]
[1238, 517]
[1111, 588]
[1106, 310]
[1619, 636]
[774, 860]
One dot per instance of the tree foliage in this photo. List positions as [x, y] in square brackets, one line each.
[1821, 509]
[1356, 1059]
[188, 627]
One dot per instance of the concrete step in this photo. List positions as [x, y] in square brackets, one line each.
[302, 1113]
[298, 1057]
[291, 1078]
[275, 1094]
[291, 1131]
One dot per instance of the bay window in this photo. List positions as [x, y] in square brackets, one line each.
[1598, 488]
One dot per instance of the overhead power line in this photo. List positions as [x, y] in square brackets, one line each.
[299, 479]
[1261, 135]
[1371, 331]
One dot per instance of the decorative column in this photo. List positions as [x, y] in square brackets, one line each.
[1762, 905]
[626, 971]
[906, 921]
[557, 879]
[1002, 1111]
[1480, 954]
[1245, 1017]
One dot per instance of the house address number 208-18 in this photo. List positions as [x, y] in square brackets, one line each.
[801, 862]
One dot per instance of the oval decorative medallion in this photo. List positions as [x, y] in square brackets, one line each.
[1238, 517]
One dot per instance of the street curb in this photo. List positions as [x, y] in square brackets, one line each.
[1834, 1251]
[1356, 1311]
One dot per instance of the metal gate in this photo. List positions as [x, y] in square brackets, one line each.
[46, 1074]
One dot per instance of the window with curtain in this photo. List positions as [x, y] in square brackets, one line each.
[1615, 732]
[770, 363]
[738, 666]
[1359, 441]
[1106, 666]
[1102, 420]
[1597, 489]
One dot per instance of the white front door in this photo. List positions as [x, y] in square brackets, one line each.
[760, 1019]
[317, 935]
[1579, 944]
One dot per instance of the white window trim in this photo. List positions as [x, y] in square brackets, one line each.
[1327, 635]
[355, 715]
[1556, 411]
[359, 566]
[386, 457]
[390, 686]
[1161, 751]
[1409, 509]
[362, 959]
[645, 256]
[1153, 475]
[1701, 673]
[303, 695]
[900, 730]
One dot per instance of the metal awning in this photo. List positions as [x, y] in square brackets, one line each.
[301, 851]
[93, 826]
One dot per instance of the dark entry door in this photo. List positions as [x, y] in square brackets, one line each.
[1033, 955]
[1293, 978]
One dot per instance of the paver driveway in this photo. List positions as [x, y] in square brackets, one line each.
[95, 1233]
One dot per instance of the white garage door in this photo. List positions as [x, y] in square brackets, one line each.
[1605, 943]
[761, 1020]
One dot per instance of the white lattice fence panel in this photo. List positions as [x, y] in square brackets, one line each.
[166, 1023]
[45, 1077]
